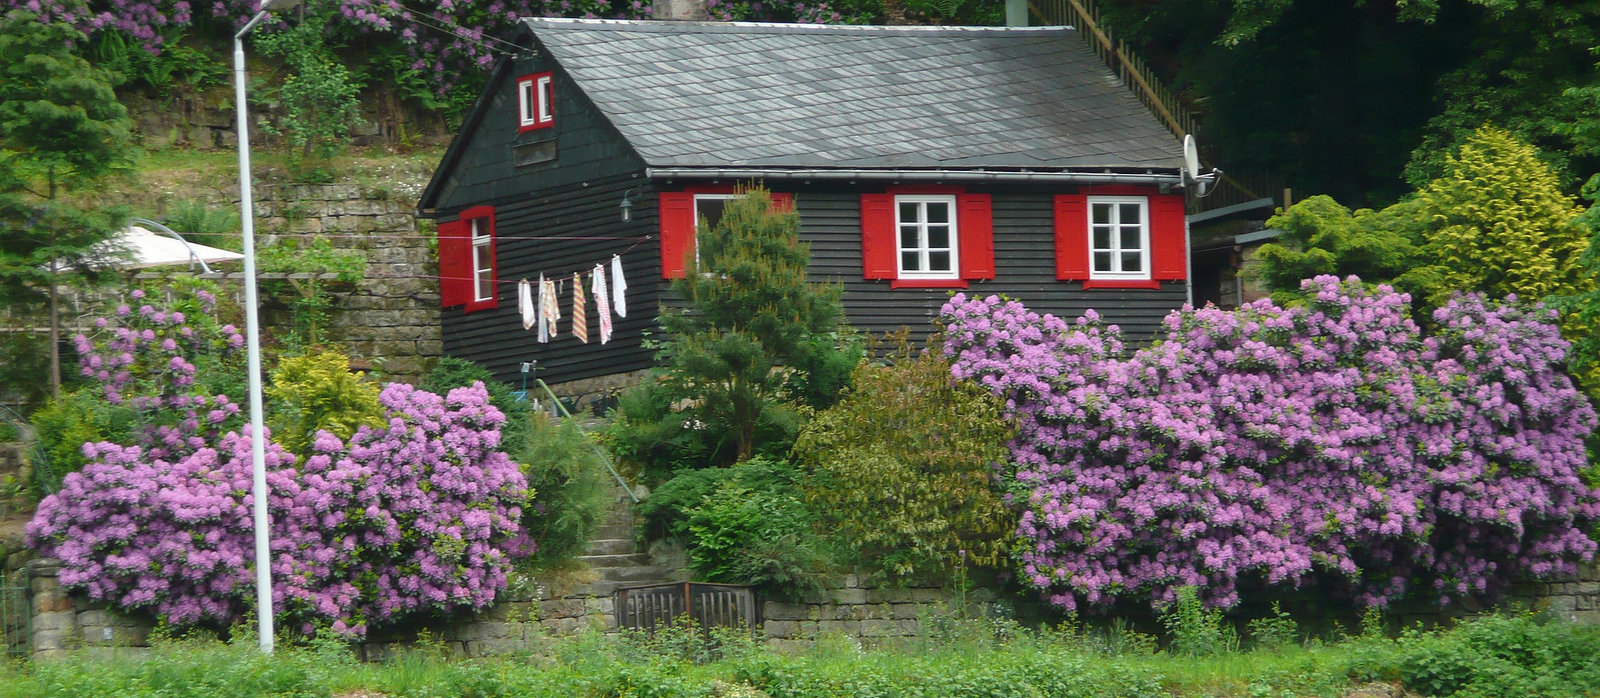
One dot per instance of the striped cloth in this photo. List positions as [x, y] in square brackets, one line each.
[580, 319]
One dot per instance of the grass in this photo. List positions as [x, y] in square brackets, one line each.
[1495, 656]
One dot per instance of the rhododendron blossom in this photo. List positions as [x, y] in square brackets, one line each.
[419, 514]
[1330, 442]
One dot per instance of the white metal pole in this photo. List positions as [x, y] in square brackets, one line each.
[252, 331]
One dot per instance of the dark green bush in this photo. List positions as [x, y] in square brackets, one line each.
[763, 538]
[64, 425]
[570, 488]
[1487, 656]
[666, 511]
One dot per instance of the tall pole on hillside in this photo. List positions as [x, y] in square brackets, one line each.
[252, 332]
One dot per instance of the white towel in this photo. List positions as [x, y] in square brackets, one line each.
[602, 302]
[618, 285]
[549, 309]
[530, 312]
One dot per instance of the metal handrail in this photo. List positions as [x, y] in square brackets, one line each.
[606, 459]
[193, 256]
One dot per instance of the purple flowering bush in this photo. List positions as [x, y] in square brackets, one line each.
[418, 513]
[1330, 443]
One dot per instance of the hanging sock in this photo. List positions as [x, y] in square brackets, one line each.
[618, 285]
[602, 302]
[580, 319]
[530, 312]
[549, 309]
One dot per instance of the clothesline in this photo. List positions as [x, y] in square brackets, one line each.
[419, 236]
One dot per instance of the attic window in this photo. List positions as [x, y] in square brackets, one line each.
[535, 101]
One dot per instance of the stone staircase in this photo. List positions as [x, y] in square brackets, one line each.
[615, 558]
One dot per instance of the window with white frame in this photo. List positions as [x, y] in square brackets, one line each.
[535, 101]
[1119, 237]
[709, 207]
[927, 236]
[482, 260]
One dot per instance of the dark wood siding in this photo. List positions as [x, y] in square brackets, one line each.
[587, 146]
[1024, 249]
[557, 232]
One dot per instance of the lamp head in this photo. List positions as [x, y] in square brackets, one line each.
[627, 206]
[278, 5]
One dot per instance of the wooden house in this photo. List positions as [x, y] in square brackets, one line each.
[922, 160]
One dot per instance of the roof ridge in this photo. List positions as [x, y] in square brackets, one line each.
[786, 27]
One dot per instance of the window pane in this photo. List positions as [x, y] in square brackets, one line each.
[938, 212]
[938, 236]
[908, 237]
[711, 210]
[938, 261]
[1102, 213]
[908, 213]
[1130, 213]
[908, 262]
[1102, 261]
[1102, 238]
[527, 101]
[485, 284]
[1130, 261]
[1130, 238]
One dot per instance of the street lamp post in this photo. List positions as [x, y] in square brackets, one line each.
[252, 331]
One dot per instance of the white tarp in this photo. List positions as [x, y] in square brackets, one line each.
[137, 248]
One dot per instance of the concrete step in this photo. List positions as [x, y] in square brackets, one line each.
[639, 574]
[604, 588]
[610, 546]
[613, 531]
[603, 562]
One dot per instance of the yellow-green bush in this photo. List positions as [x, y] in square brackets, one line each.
[903, 467]
[319, 392]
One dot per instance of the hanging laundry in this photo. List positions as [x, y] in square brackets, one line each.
[618, 285]
[580, 319]
[602, 302]
[530, 312]
[549, 309]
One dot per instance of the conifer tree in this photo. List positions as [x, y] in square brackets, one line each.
[753, 341]
[61, 128]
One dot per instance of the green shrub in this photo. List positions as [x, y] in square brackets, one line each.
[452, 372]
[1497, 656]
[64, 425]
[904, 466]
[1195, 630]
[570, 485]
[763, 538]
[1275, 629]
[666, 511]
[317, 392]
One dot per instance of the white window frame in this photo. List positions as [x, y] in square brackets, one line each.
[697, 199]
[1116, 249]
[481, 260]
[533, 101]
[922, 249]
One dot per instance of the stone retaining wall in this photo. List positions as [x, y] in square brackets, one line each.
[63, 623]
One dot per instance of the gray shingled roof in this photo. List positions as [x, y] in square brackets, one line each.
[689, 94]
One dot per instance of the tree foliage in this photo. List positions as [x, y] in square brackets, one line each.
[905, 467]
[753, 343]
[316, 393]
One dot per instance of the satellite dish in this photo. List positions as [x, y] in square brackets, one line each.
[1191, 168]
[1191, 159]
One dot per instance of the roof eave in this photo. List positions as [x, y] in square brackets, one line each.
[1158, 176]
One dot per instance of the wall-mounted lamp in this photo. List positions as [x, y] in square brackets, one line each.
[627, 205]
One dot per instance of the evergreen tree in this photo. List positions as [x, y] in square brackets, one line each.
[61, 128]
[754, 341]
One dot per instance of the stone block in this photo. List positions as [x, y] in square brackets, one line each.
[52, 602]
[848, 596]
[778, 610]
[54, 620]
[875, 627]
[495, 646]
[906, 611]
[929, 595]
[781, 628]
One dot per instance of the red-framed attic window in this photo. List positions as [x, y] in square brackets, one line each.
[536, 101]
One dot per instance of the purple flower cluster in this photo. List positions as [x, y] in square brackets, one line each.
[1328, 443]
[145, 358]
[421, 513]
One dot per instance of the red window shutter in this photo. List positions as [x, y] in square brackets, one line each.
[1072, 237]
[782, 202]
[975, 220]
[455, 264]
[677, 232]
[1169, 252]
[878, 248]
